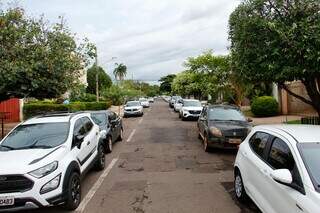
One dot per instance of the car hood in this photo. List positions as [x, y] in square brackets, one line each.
[229, 125]
[24, 161]
[192, 108]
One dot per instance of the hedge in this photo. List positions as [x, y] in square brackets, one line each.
[265, 106]
[33, 109]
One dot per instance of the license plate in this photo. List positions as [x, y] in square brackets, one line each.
[6, 201]
[235, 141]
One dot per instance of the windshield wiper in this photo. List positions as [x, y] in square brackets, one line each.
[8, 147]
[35, 146]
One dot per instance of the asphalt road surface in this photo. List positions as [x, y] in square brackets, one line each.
[161, 167]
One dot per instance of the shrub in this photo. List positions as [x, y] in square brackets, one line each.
[264, 106]
[33, 109]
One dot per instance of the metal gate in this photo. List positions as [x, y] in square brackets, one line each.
[11, 109]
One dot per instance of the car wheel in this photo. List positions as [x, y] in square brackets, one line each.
[179, 115]
[120, 138]
[100, 163]
[240, 192]
[109, 145]
[183, 118]
[205, 144]
[73, 192]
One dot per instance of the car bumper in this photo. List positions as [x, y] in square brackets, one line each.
[32, 198]
[188, 115]
[132, 113]
[225, 143]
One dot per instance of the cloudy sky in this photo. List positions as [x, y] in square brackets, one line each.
[152, 37]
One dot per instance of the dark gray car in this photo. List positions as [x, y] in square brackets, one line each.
[111, 129]
[222, 126]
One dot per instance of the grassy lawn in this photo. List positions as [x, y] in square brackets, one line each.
[294, 122]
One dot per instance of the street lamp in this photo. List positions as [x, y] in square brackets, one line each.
[97, 74]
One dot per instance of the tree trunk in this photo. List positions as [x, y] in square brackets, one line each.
[312, 88]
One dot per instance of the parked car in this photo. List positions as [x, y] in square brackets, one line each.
[133, 108]
[45, 158]
[111, 128]
[151, 99]
[191, 109]
[144, 102]
[173, 100]
[178, 105]
[278, 168]
[222, 126]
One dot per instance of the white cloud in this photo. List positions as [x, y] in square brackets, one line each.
[151, 37]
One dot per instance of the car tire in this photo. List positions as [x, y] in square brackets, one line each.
[120, 138]
[179, 115]
[205, 144]
[239, 189]
[183, 118]
[100, 163]
[73, 195]
[109, 145]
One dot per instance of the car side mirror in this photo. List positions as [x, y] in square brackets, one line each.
[249, 120]
[78, 139]
[282, 176]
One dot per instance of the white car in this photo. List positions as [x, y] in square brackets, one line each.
[144, 102]
[44, 159]
[191, 108]
[133, 108]
[278, 168]
[178, 105]
[151, 100]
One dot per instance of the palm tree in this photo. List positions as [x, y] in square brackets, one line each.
[120, 71]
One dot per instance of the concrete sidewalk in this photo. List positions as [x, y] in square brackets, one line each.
[275, 119]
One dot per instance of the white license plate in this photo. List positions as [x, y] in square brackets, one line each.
[6, 201]
[235, 141]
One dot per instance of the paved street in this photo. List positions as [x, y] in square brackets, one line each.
[160, 167]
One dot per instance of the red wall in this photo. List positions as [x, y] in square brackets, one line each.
[12, 106]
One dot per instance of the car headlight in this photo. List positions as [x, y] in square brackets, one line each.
[215, 132]
[45, 170]
[51, 185]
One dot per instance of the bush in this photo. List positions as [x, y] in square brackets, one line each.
[33, 109]
[264, 106]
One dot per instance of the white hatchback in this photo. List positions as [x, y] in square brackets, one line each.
[278, 168]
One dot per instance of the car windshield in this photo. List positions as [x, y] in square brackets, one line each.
[41, 135]
[192, 104]
[142, 99]
[310, 154]
[176, 97]
[133, 103]
[99, 118]
[226, 114]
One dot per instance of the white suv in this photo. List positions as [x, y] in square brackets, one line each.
[190, 108]
[44, 158]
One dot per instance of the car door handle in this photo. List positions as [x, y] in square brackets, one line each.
[88, 143]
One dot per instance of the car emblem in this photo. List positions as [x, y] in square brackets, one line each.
[3, 178]
[234, 133]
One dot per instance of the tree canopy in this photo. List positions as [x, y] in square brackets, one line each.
[166, 83]
[278, 41]
[37, 59]
[104, 79]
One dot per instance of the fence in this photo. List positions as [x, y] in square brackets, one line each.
[310, 120]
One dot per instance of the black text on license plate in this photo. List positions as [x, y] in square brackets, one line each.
[6, 201]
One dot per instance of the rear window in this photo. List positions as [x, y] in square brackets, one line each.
[99, 118]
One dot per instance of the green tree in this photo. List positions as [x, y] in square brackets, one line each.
[37, 59]
[278, 41]
[166, 83]
[120, 71]
[104, 79]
